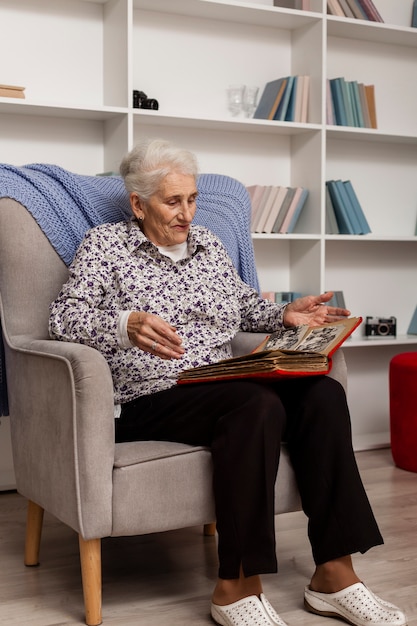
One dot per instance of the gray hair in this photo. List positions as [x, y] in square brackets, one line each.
[147, 164]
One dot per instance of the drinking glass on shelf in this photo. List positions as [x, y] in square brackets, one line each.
[250, 98]
[235, 99]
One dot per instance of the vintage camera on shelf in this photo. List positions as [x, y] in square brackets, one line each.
[141, 101]
[381, 327]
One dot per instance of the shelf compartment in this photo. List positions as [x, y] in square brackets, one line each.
[384, 180]
[76, 52]
[377, 278]
[213, 53]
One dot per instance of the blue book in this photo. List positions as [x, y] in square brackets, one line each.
[347, 100]
[414, 15]
[299, 206]
[338, 102]
[412, 329]
[290, 114]
[269, 101]
[357, 104]
[283, 105]
[342, 217]
[365, 229]
[351, 210]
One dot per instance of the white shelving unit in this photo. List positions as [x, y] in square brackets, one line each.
[81, 59]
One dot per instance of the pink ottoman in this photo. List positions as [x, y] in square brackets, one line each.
[403, 410]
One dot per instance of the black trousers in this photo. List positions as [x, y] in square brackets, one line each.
[244, 423]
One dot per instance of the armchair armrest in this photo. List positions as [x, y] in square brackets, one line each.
[62, 424]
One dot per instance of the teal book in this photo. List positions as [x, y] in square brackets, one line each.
[365, 228]
[338, 102]
[283, 105]
[412, 329]
[290, 114]
[351, 210]
[337, 300]
[347, 100]
[342, 216]
[414, 15]
[357, 104]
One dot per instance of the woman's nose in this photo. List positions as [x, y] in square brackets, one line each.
[186, 212]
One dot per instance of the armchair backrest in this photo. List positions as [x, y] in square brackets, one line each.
[31, 272]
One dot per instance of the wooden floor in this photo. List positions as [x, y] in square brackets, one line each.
[166, 579]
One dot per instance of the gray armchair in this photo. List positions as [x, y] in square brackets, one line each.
[61, 409]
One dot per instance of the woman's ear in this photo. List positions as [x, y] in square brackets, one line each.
[136, 206]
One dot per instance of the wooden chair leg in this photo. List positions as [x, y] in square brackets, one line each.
[210, 529]
[34, 522]
[90, 556]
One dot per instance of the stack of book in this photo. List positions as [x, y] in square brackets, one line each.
[12, 91]
[338, 299]
[301, 5]
[281, 297]
[414, 15]
[344, 214]
[285, 100]
[357, 9]
[350, 103]
[276, 209]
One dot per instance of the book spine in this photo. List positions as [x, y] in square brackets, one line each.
[297, 211]
[346, 9]
[414, 15]
[365, 229]
[346, 94]
[331, 221]
[334, 8]
[357, 9]
[343, 222]
[364, 106]
[290, 114]
[339, 105]
[370, 10]
[283, 210]
[370, 97]
[283, 105]
[350, 209]
[356, 99]
[330, 114]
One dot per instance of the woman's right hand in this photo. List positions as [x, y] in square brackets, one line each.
[152, 334]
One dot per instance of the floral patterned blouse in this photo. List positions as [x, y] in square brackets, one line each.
[118, 269]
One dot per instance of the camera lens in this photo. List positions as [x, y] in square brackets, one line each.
[151, 103]
[383, 329]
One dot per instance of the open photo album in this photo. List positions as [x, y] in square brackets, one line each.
[297, 351]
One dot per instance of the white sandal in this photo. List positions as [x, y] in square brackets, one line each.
[357, 605]
[250, 611]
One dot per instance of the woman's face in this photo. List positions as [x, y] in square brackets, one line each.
[166, 217]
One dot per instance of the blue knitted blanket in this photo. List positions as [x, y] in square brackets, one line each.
[66, 205]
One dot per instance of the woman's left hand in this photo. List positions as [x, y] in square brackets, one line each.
[313, 311]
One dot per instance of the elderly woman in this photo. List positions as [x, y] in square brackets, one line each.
[157, 295]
